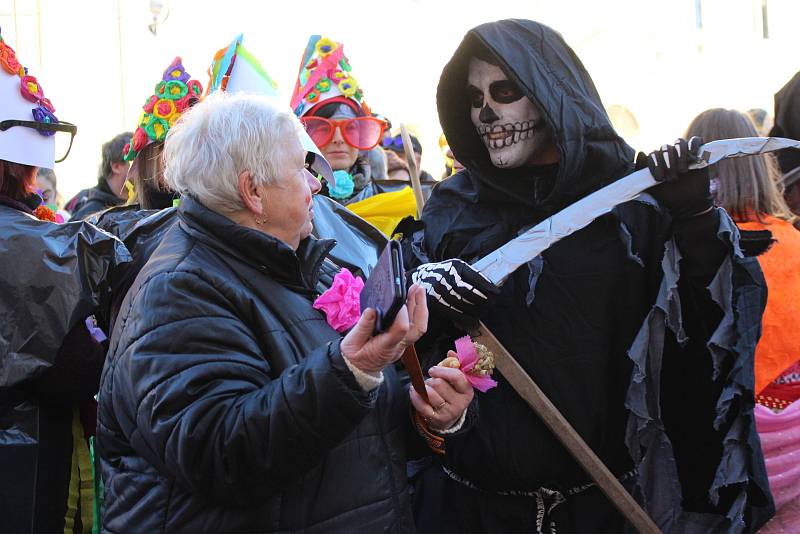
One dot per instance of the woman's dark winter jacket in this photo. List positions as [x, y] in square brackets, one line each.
[226, 406]
[585, 313]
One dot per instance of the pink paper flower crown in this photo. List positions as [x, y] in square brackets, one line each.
[342, 302]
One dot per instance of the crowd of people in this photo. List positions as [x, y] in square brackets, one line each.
[183, 347]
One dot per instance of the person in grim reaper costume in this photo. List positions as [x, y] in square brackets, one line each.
[640, 327]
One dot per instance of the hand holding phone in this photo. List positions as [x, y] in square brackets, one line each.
[385, 289]
[372, 353]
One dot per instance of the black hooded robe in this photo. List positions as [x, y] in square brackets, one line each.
[611, 322]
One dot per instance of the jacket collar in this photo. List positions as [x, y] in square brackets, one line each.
[298, 270]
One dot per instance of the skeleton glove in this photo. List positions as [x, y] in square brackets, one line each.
[684, 192]
[454, 288]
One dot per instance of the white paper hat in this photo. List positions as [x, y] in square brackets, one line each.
[20, 144]
[236, 70]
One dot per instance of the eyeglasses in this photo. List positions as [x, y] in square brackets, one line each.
[64, 133]
[392, 142]
[396, 143]
[362, 133]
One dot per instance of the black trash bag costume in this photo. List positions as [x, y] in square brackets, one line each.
[52, 278]
[642, 335]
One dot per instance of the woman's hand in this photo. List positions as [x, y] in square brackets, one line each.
[372, 354]
[450, 394]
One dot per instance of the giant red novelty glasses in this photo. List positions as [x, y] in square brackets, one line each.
[363, 133]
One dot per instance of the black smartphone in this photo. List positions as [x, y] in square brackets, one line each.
[385, 289]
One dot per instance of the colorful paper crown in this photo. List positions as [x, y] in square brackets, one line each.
[173, 95]
[325, 73]
[19, 89]
[234, 69]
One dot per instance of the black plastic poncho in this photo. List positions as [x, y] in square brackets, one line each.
[52, 277]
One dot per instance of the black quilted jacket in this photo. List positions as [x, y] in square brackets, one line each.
[226, 406]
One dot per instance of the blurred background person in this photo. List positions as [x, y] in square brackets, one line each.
[47, 187]
[762, 120]
[451, 164]
[146, 217]
[110, 189]
[398, 166]
[173, 95]
[747, 189]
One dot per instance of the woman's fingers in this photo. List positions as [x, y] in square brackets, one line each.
[436, 400]
[360, 334]
[420, 309]
[443, 389]
[398, 331]
[417, 313]
[421, 406]
[453, 377]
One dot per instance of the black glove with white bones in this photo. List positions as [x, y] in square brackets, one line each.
[684, 192]
[454, 288]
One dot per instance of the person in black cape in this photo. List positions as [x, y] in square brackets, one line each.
[639, 327]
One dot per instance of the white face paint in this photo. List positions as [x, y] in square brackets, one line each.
[509, 124]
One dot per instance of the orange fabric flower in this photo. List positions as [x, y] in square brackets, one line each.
[8, 59]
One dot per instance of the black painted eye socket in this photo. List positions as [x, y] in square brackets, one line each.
[505, 92]
[475, 97]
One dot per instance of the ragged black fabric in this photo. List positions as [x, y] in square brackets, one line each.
[598, 292]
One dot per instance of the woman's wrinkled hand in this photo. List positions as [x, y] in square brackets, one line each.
[449, 393]
[371, 354]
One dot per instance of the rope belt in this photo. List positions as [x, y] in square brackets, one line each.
[546, 499]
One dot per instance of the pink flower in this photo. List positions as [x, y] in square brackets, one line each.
[468, 357]
[342, 302]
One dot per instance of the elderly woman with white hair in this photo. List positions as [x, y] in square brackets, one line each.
[227, 403]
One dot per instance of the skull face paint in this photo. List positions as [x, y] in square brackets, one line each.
[509, 124]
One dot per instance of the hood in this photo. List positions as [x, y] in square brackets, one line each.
[787, 122]
[551, 75]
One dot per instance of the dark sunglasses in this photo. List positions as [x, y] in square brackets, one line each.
[64, 133]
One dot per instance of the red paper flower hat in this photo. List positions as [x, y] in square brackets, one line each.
[325, 73]
[173, 95]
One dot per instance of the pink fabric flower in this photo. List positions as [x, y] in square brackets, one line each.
[468, 357]
[342, 302]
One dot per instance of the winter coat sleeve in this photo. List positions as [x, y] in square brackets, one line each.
[204, 405]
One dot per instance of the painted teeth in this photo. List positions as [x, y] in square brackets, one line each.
[505, 135]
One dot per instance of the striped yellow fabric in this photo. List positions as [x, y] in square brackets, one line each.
[81, 483]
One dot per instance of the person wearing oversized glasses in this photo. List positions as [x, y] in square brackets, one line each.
[52, 277]
[331, 106]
